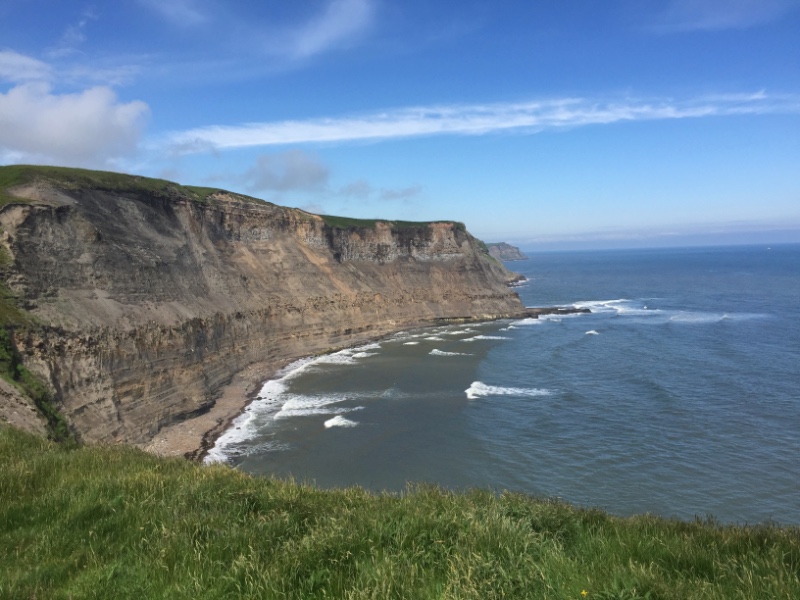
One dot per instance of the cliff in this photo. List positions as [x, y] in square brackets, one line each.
[504, 251]
[137, 299]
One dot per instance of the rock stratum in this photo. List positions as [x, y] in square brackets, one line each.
[137, 299]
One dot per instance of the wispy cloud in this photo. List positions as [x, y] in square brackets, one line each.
[179, 12]
[333, 24]
[481, 119]
[359, 189]
[338, 23]
[405, 193]
[363, 190]
[19, 68]
[709, 15]
[15, 67]
[74, 35]
[286, 171]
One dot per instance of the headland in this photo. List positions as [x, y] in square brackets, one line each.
[151, 310]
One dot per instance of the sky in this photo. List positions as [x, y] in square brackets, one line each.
[551, 124]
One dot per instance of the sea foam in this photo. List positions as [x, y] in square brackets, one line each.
[273, 402]
[528, 321]
[486, 337]
[436, 352]
[301, 405]
[478, 389]
[339, 421]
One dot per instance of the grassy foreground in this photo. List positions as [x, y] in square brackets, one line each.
[118, 523]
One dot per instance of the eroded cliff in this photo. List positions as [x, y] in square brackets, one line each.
[142, 298]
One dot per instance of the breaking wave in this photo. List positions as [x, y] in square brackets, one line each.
[339, 421]
[478, 389]
[274, 403]
[486, 337]
[639, 308]
[436, 352]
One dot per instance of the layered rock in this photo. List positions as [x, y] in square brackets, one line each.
[149, 296]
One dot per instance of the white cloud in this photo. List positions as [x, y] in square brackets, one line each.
[285, 171]
[338, 24]
[15, 67]
[692, 15]
[521, 117]
[88, 128]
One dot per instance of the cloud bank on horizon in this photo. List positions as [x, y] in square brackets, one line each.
[679, 112]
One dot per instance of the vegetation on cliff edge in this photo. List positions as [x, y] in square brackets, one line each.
[117, 523]
[351, 223]
[69, 178]
[15, 373]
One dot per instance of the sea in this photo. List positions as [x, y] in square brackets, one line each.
[678, 395]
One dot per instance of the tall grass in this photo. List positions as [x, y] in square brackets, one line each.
[115, 522]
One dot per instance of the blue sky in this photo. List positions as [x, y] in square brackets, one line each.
[569, 123]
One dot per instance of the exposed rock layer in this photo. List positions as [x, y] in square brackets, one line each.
[149, 301]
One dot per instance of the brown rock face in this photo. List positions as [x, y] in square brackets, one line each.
[149, 301]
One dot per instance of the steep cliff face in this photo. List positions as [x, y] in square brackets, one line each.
[148, 296]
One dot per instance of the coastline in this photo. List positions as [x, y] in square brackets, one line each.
[193, 437]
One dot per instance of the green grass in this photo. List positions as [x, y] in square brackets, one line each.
[74, 179]
[15, 373]
[10, 312]
[117, 523]
[350, 223]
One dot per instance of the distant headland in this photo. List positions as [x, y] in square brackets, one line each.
[504, 251]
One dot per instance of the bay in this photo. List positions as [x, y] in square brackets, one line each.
[678, 395]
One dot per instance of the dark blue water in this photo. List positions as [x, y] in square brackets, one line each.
[679, 395]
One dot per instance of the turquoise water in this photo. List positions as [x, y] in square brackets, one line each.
[679, 395]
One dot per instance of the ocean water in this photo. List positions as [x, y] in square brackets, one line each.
[678, 395]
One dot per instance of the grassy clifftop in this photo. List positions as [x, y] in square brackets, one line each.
[118, 523]
[351, 223]
[71, 178]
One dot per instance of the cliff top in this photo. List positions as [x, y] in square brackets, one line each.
[14, 179]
